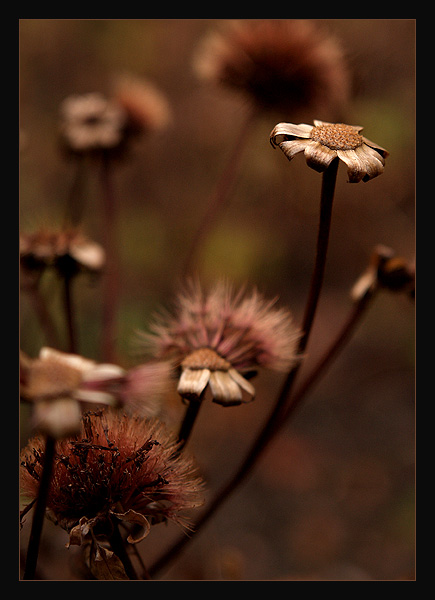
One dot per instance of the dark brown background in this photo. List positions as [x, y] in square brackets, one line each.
[333, 497]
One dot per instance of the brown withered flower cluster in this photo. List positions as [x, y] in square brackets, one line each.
[219, 339]
[118, 468]
[289, 65]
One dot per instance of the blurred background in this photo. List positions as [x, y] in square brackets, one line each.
[333, 496]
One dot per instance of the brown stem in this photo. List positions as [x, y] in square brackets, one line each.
[39, 512]
[281, 405]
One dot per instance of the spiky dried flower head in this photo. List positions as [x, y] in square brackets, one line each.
[118, 467]
[219, 336]
[56, 382]
[146, 106]
[322, 142]
[385, 270]
[287, 64]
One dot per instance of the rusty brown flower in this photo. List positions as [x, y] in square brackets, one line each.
[117, 468]
[322, 142]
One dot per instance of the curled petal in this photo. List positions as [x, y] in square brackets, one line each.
[131, 516]
[293, 147]
[355, 165]
[289, 130]
[384, 153]
[318, 156]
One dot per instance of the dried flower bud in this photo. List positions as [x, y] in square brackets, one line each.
[385, 270]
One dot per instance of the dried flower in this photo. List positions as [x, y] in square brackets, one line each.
[286, 64]
[90, 123]
[146, 107]
[118, 468]
[67, 249]
[56, 382]
[385, 270]
[216, 337]
[324, 142]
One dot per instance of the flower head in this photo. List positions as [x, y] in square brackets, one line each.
[283, 64]
[385, 270]
[146, 107]
[56, 382]
[322, 142]
[66, 249]
[216, 337]
[117, 467]
[90, 123]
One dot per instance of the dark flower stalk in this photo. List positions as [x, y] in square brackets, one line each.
[327, 163]
[40, 507]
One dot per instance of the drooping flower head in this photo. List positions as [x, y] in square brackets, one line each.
[216, 337]
[286, 64]
[322, 142]
[118, 467]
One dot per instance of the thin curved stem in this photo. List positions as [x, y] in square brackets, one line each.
[276, 417]
[39, 512]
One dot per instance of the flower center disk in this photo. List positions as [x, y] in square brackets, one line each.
[337, 136]
[206, 358]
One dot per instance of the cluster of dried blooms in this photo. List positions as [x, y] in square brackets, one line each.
[115, 462]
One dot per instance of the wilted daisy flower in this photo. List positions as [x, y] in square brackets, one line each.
[385, 270]
[322, 142]
[284, 64]
[117, 468]
[57, 381]
[218, 337]
[91, 122]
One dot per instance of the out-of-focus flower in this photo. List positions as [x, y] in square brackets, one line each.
[385, 270]
[146, 107]
[324, 142]
[56, 382]
[65, 250]
[117, 468]
[290, 65]
[221, 338]
[91, 122]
